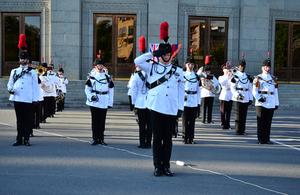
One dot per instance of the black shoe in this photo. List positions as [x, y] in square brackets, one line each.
[184, 141]
[44, 121]
[260, 142]
[192, 142]
[52, 116]
[31, 135]
[229, 128]
[16, 143]
[237, 133]
[141, 146]
[27, 143]
[157, 172]
[94, 142]
[245, 133]
[102, 143]
[168, 172]
[210, 122]
[203, 122]
[269, 142]
[38, 127]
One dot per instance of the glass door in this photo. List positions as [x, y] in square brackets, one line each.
[14, 24]
[115, 35]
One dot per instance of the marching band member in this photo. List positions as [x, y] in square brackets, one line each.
[225, 97]
[192, 100]
[266, 94]
[23, 88]
[165, 99]
[99, 90]
[48, 82]
[129, 93]
[207, 97]
[63, 81]
[241, 88]
[139, 96]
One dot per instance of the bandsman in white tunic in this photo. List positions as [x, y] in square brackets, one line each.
[241, 88]
[265, 91]
[192, 100]
[165, 100]
[225, 97]
[24, 92]
[99, 90]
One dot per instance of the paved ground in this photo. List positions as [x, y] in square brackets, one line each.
[61, 160]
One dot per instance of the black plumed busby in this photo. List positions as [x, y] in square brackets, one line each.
[23, 47]
[207, 68]
[266, 62]
[242, 62]
[99, 61]
[164, 35]
[190, 59]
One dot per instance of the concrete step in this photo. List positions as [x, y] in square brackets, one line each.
[289, 95]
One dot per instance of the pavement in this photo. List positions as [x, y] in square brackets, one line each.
[62, 161]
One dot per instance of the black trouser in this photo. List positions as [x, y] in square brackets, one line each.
[264, 120]
[207, 102]
[162, 126]
[35, 120]
[240, 112]
[47, 107]
[61, 105]
[225, 109]
[130, 103]
[24, 119]
[145, 129]
[98, 122]
[188, 122]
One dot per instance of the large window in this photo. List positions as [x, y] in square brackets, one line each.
[14, 24]
[287, 51]
[114, 35]
[208, 36]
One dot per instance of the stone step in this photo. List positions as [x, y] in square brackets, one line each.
[289, 95]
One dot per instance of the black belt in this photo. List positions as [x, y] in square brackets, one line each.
[242, 89]
[100, 92]
[190, 92]
[266, 92]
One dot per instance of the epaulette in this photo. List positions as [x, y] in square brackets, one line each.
[88, 83]
[250, 78]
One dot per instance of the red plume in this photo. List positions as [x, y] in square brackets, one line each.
[164, 31]
[206, 60]
[22, 42]
[142, 44]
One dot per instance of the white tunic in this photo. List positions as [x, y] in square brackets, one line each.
[26, 87]
[48, 80]
[205, 92]
[242, 82]
[63, 81]
[225, 82]
[192, 85]
[266, 84]
[129, 85]
[168, 97]
[139, 91]
[104, 100]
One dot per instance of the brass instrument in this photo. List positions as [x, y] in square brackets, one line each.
[40, 70]
[60, 96]
[49, 88]
[233, 70]
[209, 82]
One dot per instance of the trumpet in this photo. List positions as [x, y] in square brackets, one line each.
[233, 70]
[40, 70]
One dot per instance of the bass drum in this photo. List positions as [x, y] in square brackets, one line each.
[60, 96]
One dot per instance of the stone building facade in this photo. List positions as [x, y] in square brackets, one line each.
[67, 27]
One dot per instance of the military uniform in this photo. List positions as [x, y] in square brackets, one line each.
[266, 95]
[139, 96]
[207, 99]
[99, 90]
[63, 81]
[165, 100]
[241, 88]
[225, 100]
[192, 100]
[24, 89]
